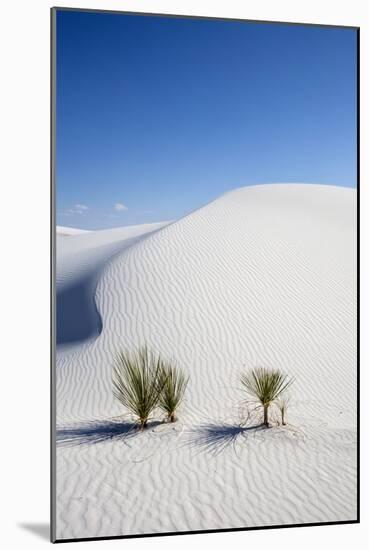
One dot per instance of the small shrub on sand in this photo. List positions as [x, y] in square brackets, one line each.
[282, 405]
[265, 386]
[174, 383]
[137, 382]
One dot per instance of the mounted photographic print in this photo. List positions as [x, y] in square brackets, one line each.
[204, 274]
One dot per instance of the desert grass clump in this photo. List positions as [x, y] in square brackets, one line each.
[137, 382]
[174, 383]
[265, 386]
[282, 405]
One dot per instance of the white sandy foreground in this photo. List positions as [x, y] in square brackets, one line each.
[265, 276]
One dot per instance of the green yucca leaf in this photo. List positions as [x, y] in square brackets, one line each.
[265, 385]
[174, 383]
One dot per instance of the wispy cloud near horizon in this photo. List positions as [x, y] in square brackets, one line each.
[120, 207]
[77, 209]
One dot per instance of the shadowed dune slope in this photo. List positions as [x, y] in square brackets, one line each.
[81, 256]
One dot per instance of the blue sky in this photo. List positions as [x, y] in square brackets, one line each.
[158, 116]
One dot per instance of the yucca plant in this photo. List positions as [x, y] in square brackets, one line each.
[174, 383]
[282, 404]
[137, 382]
[265, 385]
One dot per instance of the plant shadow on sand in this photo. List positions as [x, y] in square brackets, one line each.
[215, 438]
[98, 431]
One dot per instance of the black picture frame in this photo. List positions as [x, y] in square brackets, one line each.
[53, 12]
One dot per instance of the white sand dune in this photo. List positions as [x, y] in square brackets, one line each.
[80, 259]
[264, 275]
[69, 231]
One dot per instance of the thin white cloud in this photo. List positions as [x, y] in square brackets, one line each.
[76, 209]
[119, 206]
[82, 207]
